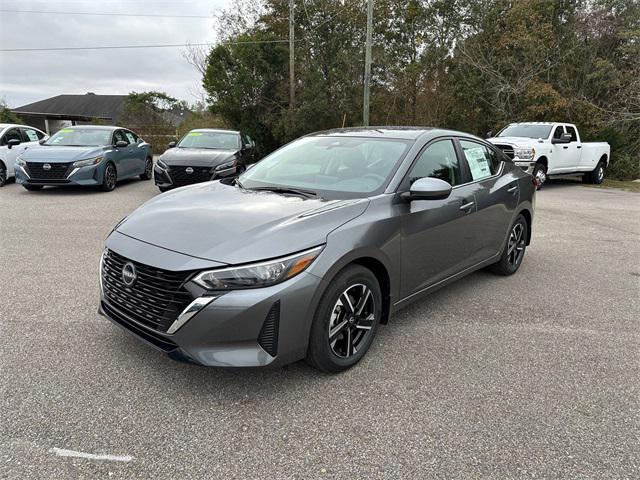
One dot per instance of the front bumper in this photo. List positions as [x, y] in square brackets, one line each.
[241, 328]
[86, 176]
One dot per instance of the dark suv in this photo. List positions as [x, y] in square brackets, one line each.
[202, 155]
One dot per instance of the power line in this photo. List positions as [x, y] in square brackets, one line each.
[116, 47]
[104, 14]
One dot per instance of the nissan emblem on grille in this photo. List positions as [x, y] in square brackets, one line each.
[46, 166]
[129, 274]
[189, 170]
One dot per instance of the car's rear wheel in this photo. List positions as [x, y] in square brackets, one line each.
[514, 250]
[33, 188]
[345, 321]
[596, 176]
[540, 174]
[148, 170]
[3, 174]
[109, 178]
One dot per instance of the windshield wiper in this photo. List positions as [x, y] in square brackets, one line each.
[285, 190]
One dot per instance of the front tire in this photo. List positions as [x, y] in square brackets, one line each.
[148, 170]
[3, 174]
[346, 320]
[514, 250]
[540, 174]
[109, 178]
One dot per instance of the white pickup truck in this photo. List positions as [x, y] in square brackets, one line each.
[546, 148]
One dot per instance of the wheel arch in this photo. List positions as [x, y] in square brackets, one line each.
[604, 158]
[544, 161]
[382, 275]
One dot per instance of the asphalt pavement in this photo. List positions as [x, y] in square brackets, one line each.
[532, 376]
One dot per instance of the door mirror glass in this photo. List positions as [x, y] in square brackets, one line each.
[489, 135]
[429, 188]
[121, 144]
[564, 138]
[171, 144]
[13, 143]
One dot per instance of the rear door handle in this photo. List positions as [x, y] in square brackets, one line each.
[513, 189]
[565, 147]
[467, 206]
[579, 146]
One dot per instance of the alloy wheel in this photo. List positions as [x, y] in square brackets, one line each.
[541, 176]
[352, 320]
[148, 168]
[3, 174]
[110, 177]
[516, 245]
[600, 173]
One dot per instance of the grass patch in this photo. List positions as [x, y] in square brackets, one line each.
[627, 185]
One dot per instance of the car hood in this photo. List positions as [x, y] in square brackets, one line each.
[196, 157]
[48, 154]
[515, 141]
[226, 224]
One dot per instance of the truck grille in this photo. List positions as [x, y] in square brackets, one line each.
[507, 150]
[156, 297]
[180, 177]
[58, 171]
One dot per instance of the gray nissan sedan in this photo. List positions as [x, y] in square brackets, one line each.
[304, 255]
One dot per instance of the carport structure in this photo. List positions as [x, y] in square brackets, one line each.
[56, 112]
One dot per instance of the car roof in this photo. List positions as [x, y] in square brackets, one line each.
[226, 130]
[398, 133]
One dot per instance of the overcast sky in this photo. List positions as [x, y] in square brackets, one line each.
[26, 77]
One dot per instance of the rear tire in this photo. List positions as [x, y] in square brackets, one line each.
[540, 174]
[3, 174]
[148, 170]
[33, 188]
[109, 178]
[595, 177]
[346, 320]
[514, 250]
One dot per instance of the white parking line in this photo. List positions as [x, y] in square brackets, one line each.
[61, 452]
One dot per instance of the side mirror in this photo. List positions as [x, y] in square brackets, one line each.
[42, 140]
[14, 142]
[121, 144]
[428, 188]
[565, 138]
[488, 135]
[171, 144]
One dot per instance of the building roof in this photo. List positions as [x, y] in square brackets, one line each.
[90, 105]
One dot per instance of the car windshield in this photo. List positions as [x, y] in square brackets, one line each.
[81, 137]
[211, 140]
[341, 167]
[528, 131]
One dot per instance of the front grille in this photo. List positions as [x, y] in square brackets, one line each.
[58, 171]
[507, 150]
[156, 297]
[268, 338]
[180, 177]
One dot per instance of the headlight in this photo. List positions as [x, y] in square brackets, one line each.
[20, 161]
[224, 166]
[257, 275]
[525, 153]
[162, 165]
[88, 162]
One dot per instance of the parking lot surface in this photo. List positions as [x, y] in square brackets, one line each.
[531, 376]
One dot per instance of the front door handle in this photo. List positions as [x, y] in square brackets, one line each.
[467, 206]
[565, 147]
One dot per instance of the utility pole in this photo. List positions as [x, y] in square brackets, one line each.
[292, 86]
[367, 65]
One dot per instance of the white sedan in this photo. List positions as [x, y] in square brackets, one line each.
[15, 139]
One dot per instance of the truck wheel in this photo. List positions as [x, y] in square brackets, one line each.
[540, 174]
[597, 175]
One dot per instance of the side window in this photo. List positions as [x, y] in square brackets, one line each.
[130, 137]
[480, 159]
[438, 160]
[557, 134]
[30, 135]
[118, 136]
[572, 131]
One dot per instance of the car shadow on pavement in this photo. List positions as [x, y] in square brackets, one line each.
[77, 189]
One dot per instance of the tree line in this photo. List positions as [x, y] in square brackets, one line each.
[471, 65]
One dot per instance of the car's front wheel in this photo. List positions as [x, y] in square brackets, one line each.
[3, 174]
[515, 248]
[345, 321]
[148, 170]
[109, 178]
